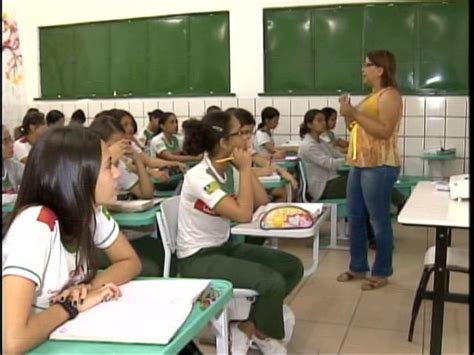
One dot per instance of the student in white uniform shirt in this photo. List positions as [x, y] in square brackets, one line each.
[32, 127]
[264, 141]
[12, 170]
[167, 144]
[49, 270]
[151, 129]
[210, 199]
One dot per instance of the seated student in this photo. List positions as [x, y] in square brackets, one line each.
[32, 127]
[49, 271]
[264, 142]
[329, 136]
[130, 184]
[153, 165]
[151, 129]
[78, 117]
[262, 164]
[12, 170]
[166, 144]
[55, 118]
[210, 199]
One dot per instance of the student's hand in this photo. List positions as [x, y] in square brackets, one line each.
[279, 154]
[181, 166]
[266, 171]
[242, 159]
[119, 149]
[287, 176]
[163, 176]
[199, 157]
[105, 293]
[74, 293]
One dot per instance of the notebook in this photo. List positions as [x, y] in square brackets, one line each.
[134, 205]
[149, 312]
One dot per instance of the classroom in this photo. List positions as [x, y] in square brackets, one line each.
[167, 90]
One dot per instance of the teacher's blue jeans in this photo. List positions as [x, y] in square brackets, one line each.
[369, 192]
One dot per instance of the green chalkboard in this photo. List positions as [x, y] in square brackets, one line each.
[173, 55]
[320, 50]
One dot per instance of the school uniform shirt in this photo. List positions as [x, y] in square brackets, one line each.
[261, 138]
[21, 149]
[159, 144]
[329, 137]
[199, 226]
[126, 181]
[321, 162]
[11, 177]
[145, 136]
[32, 249]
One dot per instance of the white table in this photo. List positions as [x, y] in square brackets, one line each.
[428, 207]
[253, 229]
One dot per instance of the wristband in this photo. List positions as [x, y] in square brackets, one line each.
[69, 308]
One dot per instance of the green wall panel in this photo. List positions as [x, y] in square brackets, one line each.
[128, 57]
[289, 50]
[338, 48]
[57, 60]
[392, 27]
[92, 66]
[209, 52]
[168, 65]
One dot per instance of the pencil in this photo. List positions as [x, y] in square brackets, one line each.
[224, 159]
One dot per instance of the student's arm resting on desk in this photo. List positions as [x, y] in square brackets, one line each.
[167, 155]
[144, 188]
[322, 159]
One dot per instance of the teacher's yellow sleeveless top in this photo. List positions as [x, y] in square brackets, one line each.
[367, 151]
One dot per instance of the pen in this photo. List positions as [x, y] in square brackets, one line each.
[224, 159]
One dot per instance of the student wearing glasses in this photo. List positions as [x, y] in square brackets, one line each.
[214, 194]
[375, 166]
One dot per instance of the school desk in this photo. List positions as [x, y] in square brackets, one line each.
[253, 229]
[195, 323]
[8, 207]
[277, 184]
[429, 207]
[136, 219]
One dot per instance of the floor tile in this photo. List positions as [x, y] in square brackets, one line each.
[314, 338]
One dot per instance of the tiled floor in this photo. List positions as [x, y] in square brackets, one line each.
[339, 318]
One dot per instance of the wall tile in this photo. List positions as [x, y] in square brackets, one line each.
[295, 124]
[284, 125]
[136, 108]
[299, 106]
[212, 102]
[107, 104]
[414, 106]
[466, 166]
[149, 105]
[435, 106]
[435, 126]
[227, 102]
[141, 123]
[196, 108]
[340, 127]
[414, 126]
[44, 107]
[321, 102]
[455, 167]
[68, 108]
[401, 130]
[181, 108]
[413, 167]
[166, 105]
[84, 106]
[282, 104]
[355, 99]
[248, 104]
[456, 106]
[434, 142]
[457, 143]
[413, 146]
[94, 108]
[455, 127]
[122, 104]
[467, 148]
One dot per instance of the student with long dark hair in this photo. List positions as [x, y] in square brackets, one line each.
[166, 144]
[331, 120]
[55, 118]
[210, 200]
[32, 127]
[78, 117]
[49, 269]
[152, 128]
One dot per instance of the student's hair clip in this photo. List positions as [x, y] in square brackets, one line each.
[217, 128]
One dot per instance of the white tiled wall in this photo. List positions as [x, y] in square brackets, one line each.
[427, 121]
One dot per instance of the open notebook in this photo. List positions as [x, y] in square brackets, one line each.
[270, 178]
[149, 312]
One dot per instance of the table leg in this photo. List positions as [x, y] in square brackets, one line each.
[439, 289]
[289, 192]
[315, 263]
[222, 337]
